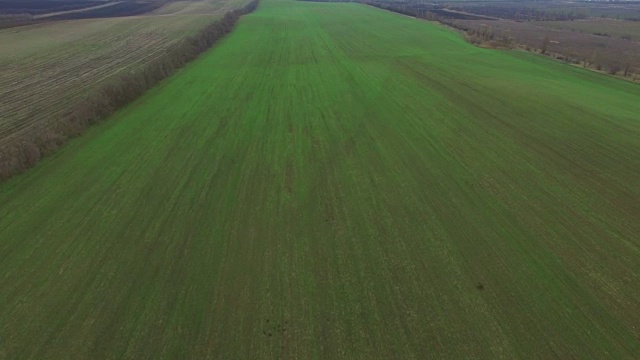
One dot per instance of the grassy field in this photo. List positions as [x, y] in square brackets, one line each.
[334, 181]
[46, 68]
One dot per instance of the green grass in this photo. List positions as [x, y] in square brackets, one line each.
[349, 175]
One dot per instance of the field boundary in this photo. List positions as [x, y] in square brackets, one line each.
[488, 40]
[23, 152]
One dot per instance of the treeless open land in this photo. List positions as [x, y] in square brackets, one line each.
[564, 38]
[334, 181]
[626, 30]
[48, 67]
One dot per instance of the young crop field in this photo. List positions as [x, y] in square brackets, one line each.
[335, 181]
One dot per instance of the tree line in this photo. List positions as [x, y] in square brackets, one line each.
[25, 151]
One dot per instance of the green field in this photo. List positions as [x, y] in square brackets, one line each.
[334, 181]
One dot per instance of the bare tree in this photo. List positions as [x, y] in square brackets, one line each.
[614, 69]
[545, 44]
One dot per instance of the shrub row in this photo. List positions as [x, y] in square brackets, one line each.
[23, 152]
